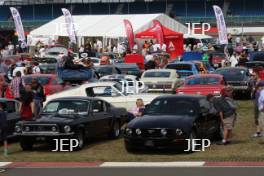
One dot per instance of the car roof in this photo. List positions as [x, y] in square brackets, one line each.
[75, 98]
[206, 75]
[160, 70]
[185, 96]
[118, 76]
[40, 75]
[96, 84]
[232, 68]
[126, 65]
[181, 62]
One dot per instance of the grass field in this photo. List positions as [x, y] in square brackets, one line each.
[243, 148]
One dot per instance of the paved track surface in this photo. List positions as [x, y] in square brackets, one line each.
[148, 171]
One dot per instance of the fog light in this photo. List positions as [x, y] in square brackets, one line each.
[163, 132]
[54, 129]
[179, 131]
[129, 131]
[138, 131]
[27, 129]
[67, 129]
[18, 129]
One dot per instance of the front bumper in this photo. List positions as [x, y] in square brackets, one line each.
[44, 134]
[156, 143]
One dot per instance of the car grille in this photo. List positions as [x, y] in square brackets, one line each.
[156, 133]
[237, 83]
[159, 86]
[39, 128]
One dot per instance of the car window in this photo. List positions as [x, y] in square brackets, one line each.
[163, 106]
[180, 67]
[202, 81]
[160, 74]
[10, 107]
[67, 107]
[98, 106]
[43, 80]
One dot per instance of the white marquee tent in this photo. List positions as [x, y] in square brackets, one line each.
[106, 26]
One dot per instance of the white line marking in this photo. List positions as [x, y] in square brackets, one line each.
[153, 164]
[2, 164]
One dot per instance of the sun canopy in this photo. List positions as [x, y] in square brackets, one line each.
[110, 26]
[150, 33]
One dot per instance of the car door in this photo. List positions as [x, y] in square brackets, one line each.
[100, 116]
[12, 115]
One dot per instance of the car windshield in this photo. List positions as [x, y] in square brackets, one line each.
[107, 70]
[164, 107]
[203, 81]
[232, 74]
[160, 74]
[67, 107]
[43, 80]
[180, 67]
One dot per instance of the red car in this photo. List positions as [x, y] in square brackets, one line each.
[203, 84]
[50, 82]
[217, 59]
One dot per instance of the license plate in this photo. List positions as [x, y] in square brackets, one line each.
[149, 143]
[40, 138]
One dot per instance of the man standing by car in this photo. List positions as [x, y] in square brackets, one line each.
[38, 97]
[3, 127]
[226, 107]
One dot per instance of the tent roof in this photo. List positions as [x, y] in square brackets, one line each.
[150, 33]
[106, 25]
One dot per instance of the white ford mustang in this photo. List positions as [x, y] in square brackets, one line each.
[109, 91]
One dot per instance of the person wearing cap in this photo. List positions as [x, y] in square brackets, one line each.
[226, 107]
[258, 89]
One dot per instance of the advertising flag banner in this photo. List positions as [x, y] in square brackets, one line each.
[221, 26]
[69, 25]
[130, 34]
[157, 27]
[18, 25]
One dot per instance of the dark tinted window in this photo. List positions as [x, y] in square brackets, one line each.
[180, 66]
[233, 74]
[157, 74]
[43, 80]
[164, 106]
[203, 81]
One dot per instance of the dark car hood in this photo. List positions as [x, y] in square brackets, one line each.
[162, 121]
[54, 119]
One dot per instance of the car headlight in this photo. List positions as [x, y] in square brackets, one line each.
[129, 131]
[163, 132]
[18, 129]
[179, 132]
[67, 129]
[216, 92]
[54, 129]
[138, 131]
[27, 129]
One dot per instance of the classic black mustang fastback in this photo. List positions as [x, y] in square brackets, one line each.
[169, 120]
[72, 117]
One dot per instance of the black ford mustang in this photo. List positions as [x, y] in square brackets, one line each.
[72, 118]
[169, 120]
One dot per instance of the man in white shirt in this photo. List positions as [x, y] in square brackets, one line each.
[135, 48]
[164, 47]
[99, 45]
[233, 60]
[42, 52]
[156, 47]
[35, 69]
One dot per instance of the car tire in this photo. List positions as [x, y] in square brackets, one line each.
[129, 149]
[80, 137]
[26, 144]
[115, 131]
